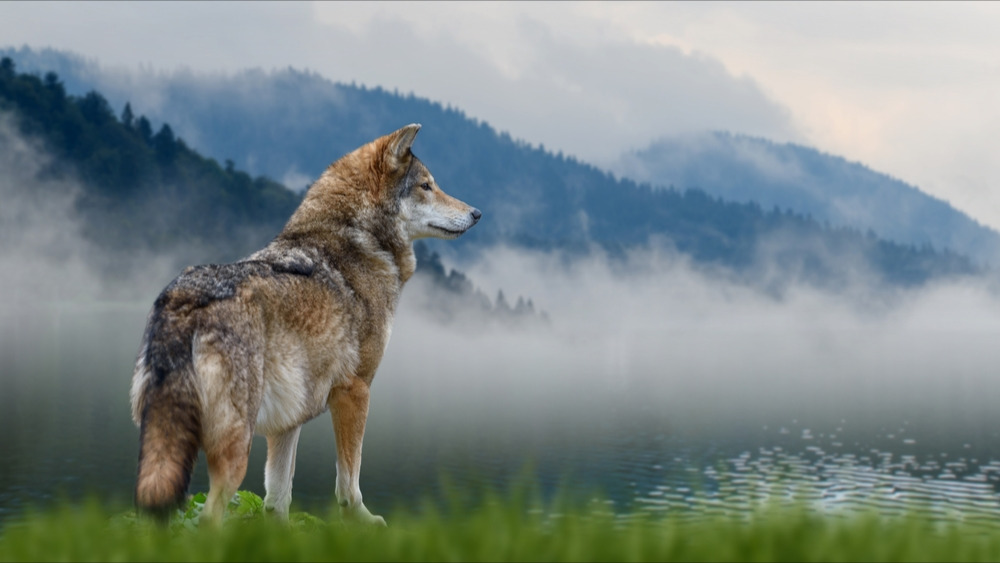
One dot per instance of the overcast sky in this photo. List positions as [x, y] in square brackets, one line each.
[910, 89]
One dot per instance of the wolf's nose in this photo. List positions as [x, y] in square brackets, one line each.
[476, 214]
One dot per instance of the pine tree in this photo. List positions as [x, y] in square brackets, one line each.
[520, 307]
[127, 117]
[53, 84]
[502, 305]
[164, 143]
[145, 129]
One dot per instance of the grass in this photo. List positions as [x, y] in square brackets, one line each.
[513, 528]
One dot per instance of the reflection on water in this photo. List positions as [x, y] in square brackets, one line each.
[891, 483]
[66, 429]
[643, 470]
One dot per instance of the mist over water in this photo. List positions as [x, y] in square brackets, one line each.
[656, 330]
[650, 367]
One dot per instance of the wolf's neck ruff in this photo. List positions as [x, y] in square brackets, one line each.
[298, 327]
[352, 210]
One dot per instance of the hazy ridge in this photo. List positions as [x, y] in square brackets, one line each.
[826, 187]
[119, 209]
[290, 124]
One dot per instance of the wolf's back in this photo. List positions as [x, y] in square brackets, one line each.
[166, 407]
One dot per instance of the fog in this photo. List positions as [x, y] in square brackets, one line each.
[645, 343]
[532, 73]
[658, 333]
[44, 257]
[36, 228]
[652, 328]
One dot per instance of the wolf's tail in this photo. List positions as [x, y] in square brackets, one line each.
[169, 436]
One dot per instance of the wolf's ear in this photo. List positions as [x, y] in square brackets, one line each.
[400, 142]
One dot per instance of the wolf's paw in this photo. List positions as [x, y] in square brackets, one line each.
[275, 513]
[360, 515]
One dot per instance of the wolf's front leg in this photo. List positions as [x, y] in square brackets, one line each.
[279, 471]
[349, 408]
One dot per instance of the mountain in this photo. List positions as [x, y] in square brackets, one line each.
[804, 180]
[146, 193]
[290, 124]
[141, 190]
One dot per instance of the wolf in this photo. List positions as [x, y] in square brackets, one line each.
[297, 328]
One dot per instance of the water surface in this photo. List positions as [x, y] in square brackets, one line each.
[688, 449]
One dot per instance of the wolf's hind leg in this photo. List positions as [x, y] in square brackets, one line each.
[279, 471]
[349, 408]
[227, 465]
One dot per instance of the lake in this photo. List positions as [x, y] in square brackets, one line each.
[698, 421]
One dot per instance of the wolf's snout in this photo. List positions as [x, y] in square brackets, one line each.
[476, 214]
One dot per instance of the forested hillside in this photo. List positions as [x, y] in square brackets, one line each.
[146, 193]
[826, 187]
[143, 190]
[292, 124]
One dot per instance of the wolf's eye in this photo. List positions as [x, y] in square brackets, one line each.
[426, 186]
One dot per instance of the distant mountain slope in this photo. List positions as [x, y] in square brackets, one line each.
[290, 124]
[142, 190]
[804, 180]
[143, 193]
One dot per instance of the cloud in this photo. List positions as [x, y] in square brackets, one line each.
[588, 96]
[905, 89]
[553, 76]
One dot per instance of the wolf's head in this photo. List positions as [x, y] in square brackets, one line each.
[424, 209]
[382, 188]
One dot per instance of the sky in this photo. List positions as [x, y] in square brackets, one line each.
[908, 89]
